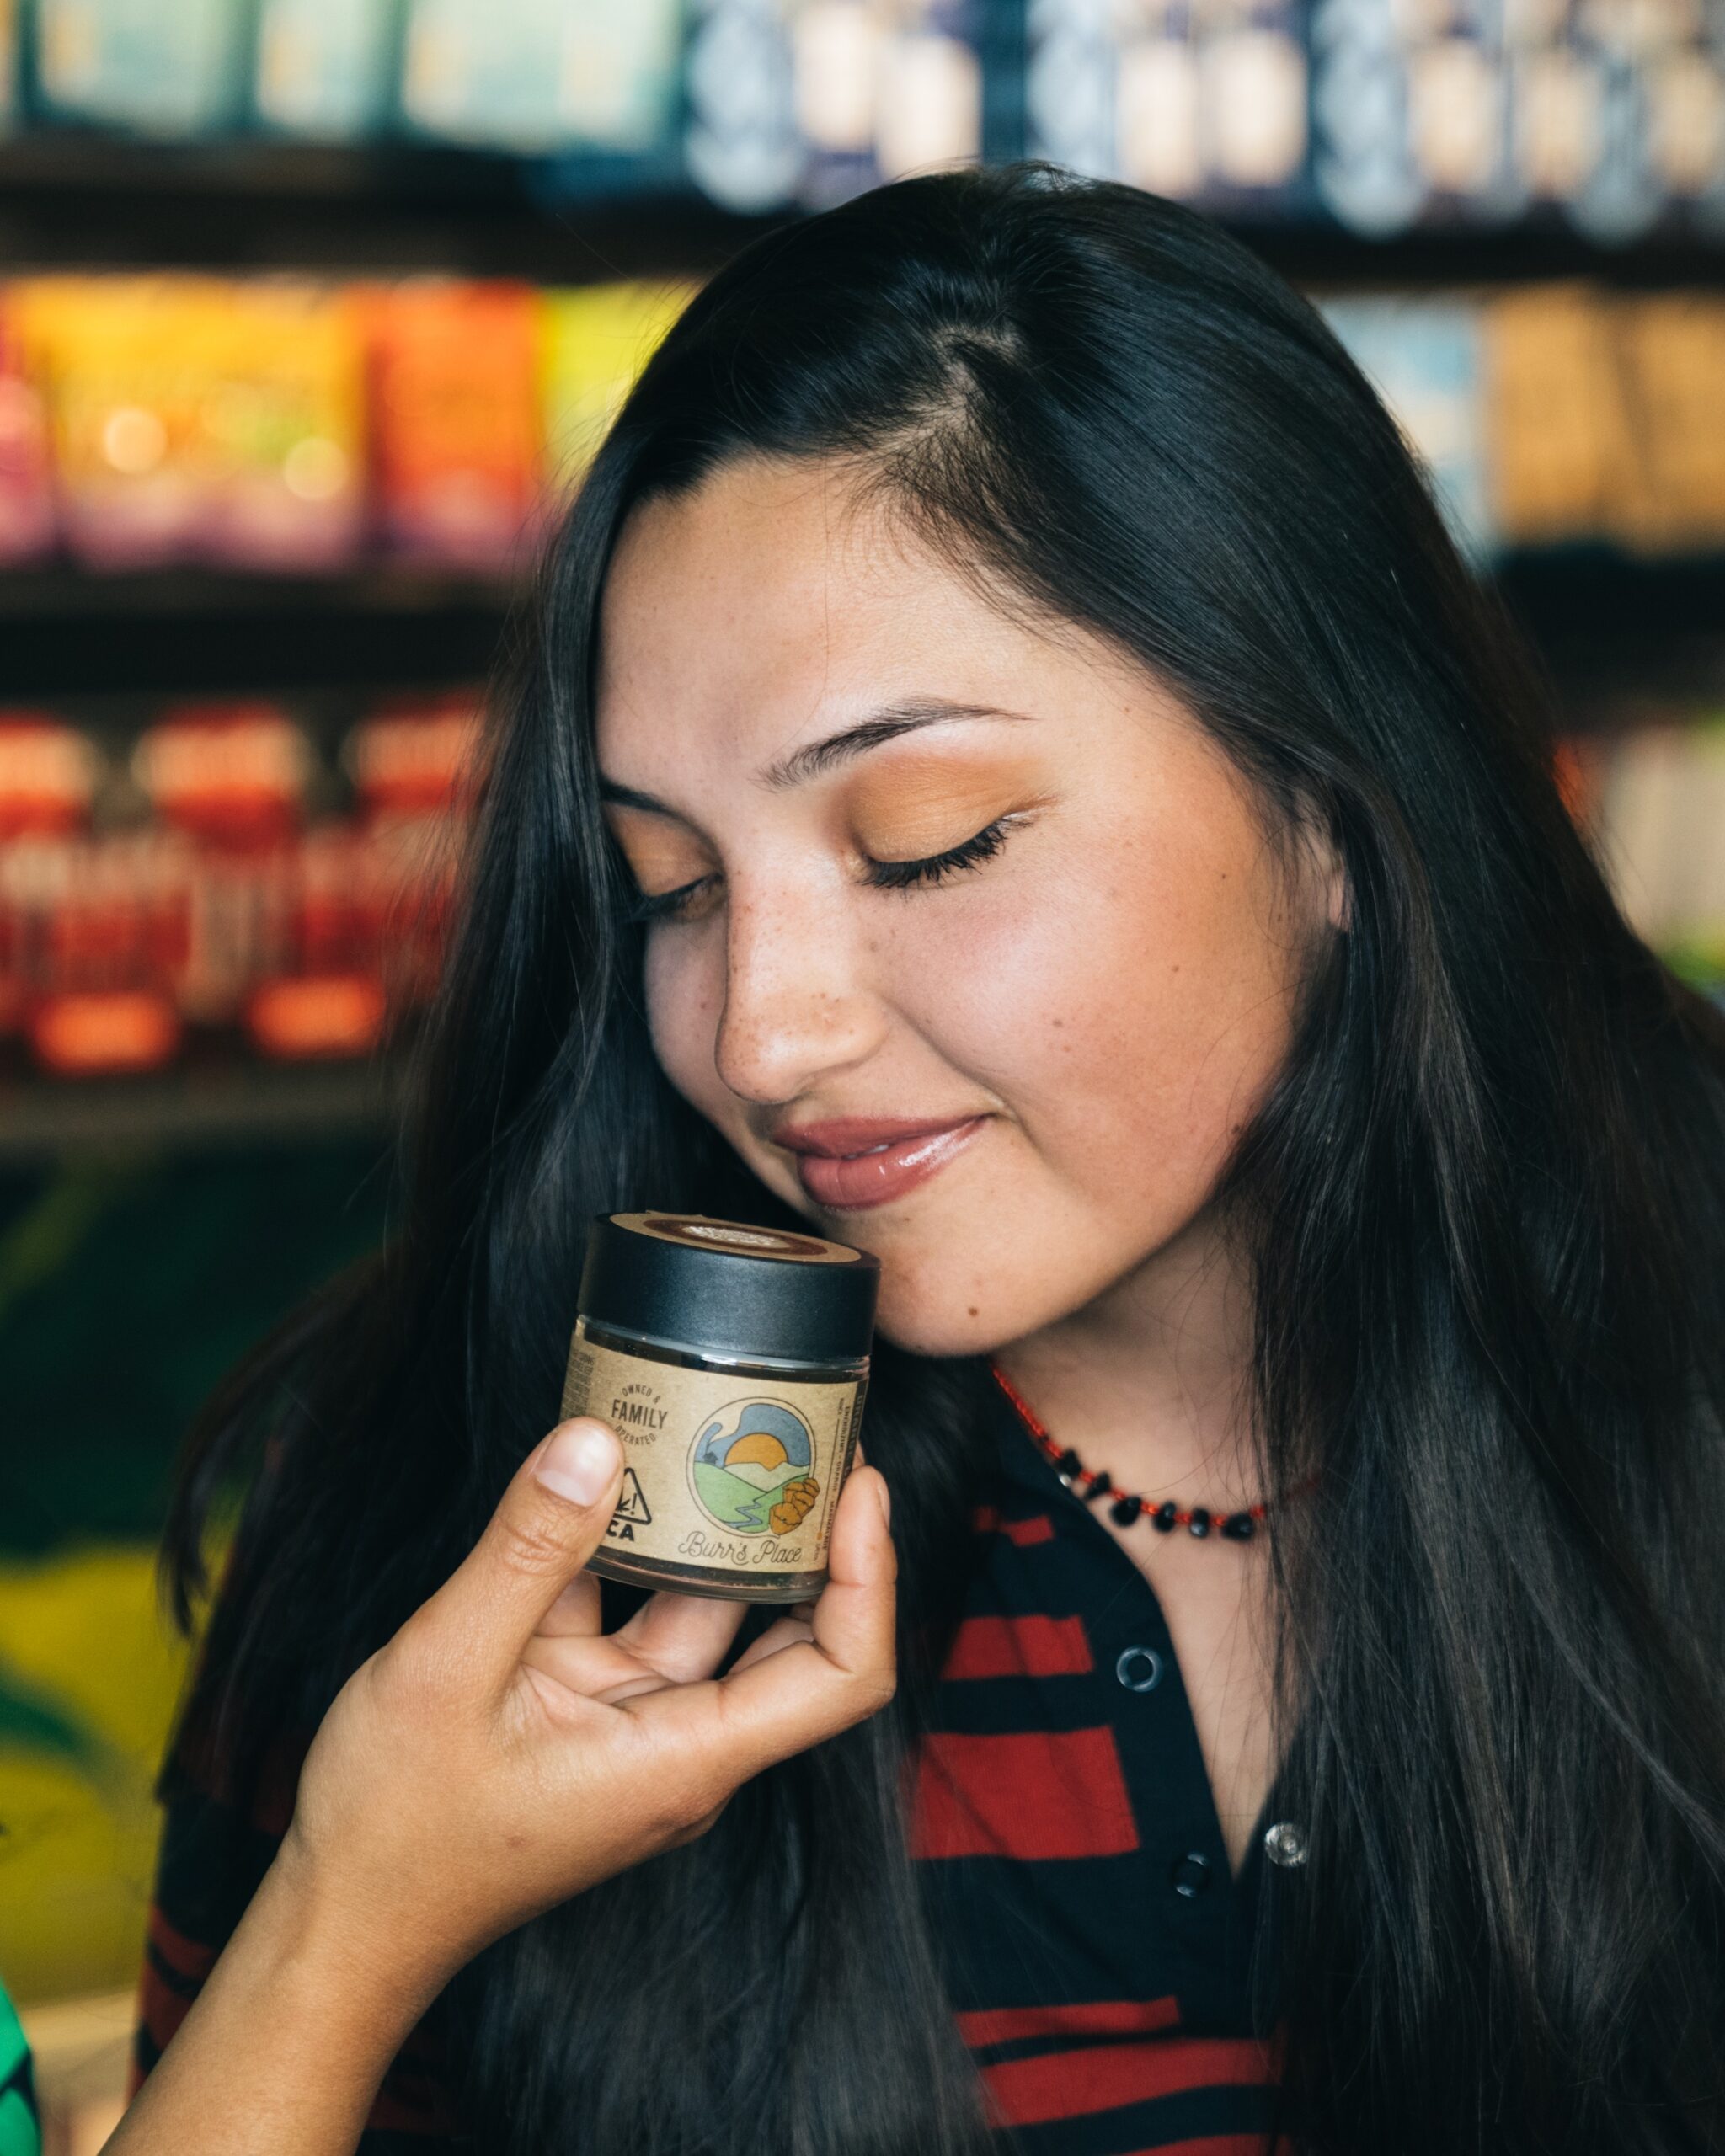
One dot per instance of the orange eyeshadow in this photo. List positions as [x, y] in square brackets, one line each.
[925, 805]
[661, 857]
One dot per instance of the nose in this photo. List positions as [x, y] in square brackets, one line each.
[798, 1004]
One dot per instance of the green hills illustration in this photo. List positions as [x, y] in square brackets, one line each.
[742, 1462]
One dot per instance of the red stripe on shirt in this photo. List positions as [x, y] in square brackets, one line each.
[161, 2009]
[1109, 2017]
[1039, 1528]
[412, 2104]
[1019, 1647]
[185, 1956]
[1040, 1793]
[1066, 2085]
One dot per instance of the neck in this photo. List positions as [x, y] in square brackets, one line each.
[1149, 1379]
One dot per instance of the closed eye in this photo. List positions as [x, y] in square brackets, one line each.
[884, 875]
[904, 875]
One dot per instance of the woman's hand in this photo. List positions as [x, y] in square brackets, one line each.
[501, 1753]
[498, 1755]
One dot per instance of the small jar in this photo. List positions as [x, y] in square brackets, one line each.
[732, 1361]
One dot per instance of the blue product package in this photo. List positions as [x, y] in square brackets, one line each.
[163, 67]
[326, 68]
[1424, 356]
[537, 76]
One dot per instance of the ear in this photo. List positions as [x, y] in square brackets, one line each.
[1338, 894]
[1329, 872]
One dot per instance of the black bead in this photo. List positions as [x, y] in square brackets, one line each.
[1069, 1462]
[1125, 1510]
[1239, 1526]
[1099, 1484]
[1200, 1522]
[1162, 1518]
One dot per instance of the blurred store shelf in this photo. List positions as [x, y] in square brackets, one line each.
[254, 204]
[186, 630]
[244, 204]
[1611, 626]
[40, 1120]
[1604, 619]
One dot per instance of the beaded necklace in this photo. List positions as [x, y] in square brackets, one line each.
[1090, 1483]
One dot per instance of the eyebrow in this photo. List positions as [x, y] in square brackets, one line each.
[814, 757]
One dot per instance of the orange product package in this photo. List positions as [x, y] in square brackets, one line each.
[201, 418]
[284, 419]
[125, 363]
[455, 447]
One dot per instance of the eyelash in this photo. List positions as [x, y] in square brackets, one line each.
[889, 875]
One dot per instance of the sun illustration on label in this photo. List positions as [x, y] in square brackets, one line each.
[750, 1467]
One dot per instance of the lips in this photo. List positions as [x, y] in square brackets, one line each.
[853, 1162]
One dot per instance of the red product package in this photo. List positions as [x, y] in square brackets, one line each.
[111, 919]
[455, 427]
[415, 769]
[324, 997]
[232, 779]
[49, 773]
[84, 920]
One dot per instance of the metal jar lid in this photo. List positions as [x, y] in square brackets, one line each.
[729, 1287]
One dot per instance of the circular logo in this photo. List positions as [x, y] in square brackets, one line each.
[750, 1467]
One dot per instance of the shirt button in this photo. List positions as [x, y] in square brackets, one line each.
[1284, 1843]
[1190, 1874]
[1139, 1668]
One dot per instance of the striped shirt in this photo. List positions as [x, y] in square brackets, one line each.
[1093, 1938]
[1074, 1873]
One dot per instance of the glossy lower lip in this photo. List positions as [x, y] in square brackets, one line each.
[875, 1178]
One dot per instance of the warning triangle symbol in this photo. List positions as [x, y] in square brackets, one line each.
[632, 1505]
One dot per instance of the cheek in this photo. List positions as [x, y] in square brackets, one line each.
[684, 994]
[1131, 1014]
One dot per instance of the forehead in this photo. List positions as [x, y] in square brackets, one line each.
[739, 614]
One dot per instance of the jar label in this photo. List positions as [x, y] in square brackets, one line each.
[733, 1473]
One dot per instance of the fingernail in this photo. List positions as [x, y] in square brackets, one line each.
[580, 1462]
[886, 1502]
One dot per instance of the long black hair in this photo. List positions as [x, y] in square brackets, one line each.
[1485, 1204]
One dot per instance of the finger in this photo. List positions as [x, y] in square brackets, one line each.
[576, 1612]
[596, 1668]
[789, 1631]
[683, 1636]
[549, 1522]
[811, 1688]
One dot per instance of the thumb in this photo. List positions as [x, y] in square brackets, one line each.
[547, 1524]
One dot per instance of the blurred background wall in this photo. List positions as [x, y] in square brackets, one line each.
[311, 310]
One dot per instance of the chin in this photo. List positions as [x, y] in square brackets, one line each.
[934, 1324]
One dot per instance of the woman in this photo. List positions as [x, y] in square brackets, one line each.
[1002, 676]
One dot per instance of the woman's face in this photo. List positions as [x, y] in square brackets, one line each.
[1097, 1004]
